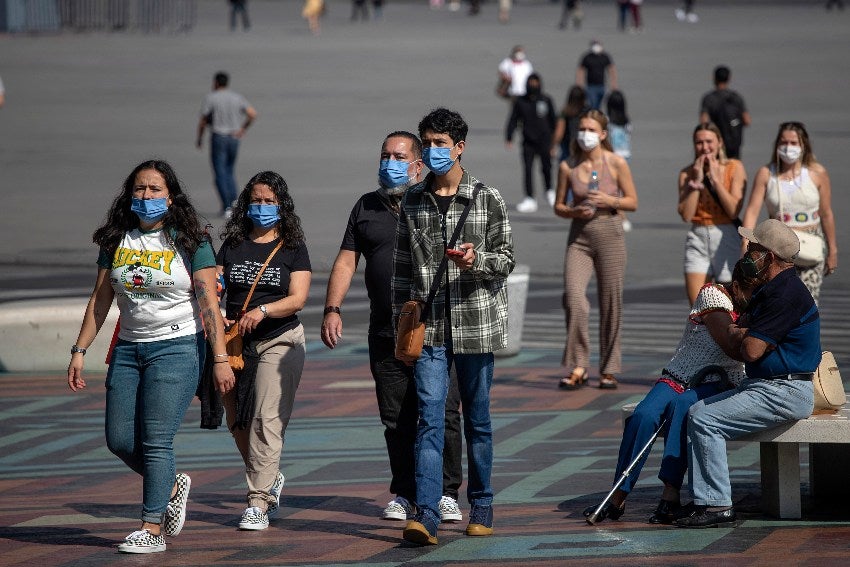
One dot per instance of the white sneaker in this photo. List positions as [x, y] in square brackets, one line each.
[398, 509]
[275, 491]
[454, 6]
[527, 205]
[627, 225]
[449, 510]
[680, 14]
[228, 212]
[142, 541]
[175, 512]
[693, 18]
[550, 196]
[253, 519]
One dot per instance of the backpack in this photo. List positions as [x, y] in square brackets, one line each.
[730, 122]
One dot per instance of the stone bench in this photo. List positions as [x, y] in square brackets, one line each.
[828, 436]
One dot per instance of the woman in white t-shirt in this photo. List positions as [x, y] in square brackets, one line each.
[159, 265]
[796, 189]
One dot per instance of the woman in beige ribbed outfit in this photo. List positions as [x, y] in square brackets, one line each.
[595, 246]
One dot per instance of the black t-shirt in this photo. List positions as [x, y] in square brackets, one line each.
[726, 109]
[241, 265]
[371, 232]
[595, 65]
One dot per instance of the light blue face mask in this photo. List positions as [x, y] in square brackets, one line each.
[438, 160]
[393, 173]
[149, 210]
[264, 216]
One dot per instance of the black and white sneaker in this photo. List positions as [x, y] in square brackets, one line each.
[175, 512]
[253, 518]
[142, 541]
[275, 491]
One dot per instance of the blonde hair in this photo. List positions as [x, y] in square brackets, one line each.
[711, 127]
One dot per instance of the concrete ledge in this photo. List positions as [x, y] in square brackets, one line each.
[36, 336]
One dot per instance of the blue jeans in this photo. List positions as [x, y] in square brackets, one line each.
[223, 150]
[595, 94]
[755, 405]
[474, 378]
[148, 388]
[661, 402]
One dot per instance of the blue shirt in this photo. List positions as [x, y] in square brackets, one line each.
[783, 314]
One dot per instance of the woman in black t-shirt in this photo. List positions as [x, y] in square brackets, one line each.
[259, 408]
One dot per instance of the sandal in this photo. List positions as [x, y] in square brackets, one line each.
[576, 379]
[607, 382]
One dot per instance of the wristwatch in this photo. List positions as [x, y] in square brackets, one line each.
[75, 349]
[264, 310]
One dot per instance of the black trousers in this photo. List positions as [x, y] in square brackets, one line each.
[530, 150]
[398, 407]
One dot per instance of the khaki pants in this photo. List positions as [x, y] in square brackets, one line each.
[278, 375]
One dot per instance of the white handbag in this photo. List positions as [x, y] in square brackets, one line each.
[829, 389]
[812, 249]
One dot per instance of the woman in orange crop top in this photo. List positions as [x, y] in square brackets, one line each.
[711, 193]
[796, 190]
[595, 246]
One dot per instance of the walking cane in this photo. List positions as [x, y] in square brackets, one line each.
[593, 517]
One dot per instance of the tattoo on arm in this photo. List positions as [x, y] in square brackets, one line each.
[209, 325]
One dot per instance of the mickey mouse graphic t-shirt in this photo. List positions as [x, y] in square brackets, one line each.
[153, 286]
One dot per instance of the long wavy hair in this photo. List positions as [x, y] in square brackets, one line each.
[180, 222]
[239, 227]
[807, 158]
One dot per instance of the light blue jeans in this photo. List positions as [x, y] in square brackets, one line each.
[148, 388]
[755, 405]
[474, 378]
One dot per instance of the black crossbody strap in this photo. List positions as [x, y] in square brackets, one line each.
[435, 283]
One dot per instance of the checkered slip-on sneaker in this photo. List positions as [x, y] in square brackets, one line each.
[276, 489]
[398, 509]
[175, 512]
[253, 518]
[449, 510]
[142, 541]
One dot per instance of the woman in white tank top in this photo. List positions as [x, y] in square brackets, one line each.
[796, 190]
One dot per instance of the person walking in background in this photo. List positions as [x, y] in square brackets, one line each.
[831, 3]
[726, 108]
[778, 339]
[572, 12]
[620, 132]
[637, 21]
[796, 189]
[566, 126]
[711, 193]
[594, 68]
[157, 262]
[2, 93]
[700, 368]
[371, 233]
[536, 113]
[599, 184]
[239, 8]
[686, 12]
[467, 319]
[264, 259]
[312, 11]
[513, 73]
[228, 115]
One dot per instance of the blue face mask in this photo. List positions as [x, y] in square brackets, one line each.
[149, 210]
[393, 173]
[438, 160]
[264, 216]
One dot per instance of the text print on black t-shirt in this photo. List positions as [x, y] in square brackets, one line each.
[245, 273]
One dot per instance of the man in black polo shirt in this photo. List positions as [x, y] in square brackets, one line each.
[371, 231]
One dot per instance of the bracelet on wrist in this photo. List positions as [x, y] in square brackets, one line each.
[332, 309]
[225, 355]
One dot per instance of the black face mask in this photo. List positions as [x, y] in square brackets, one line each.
[749, 267]
[533, 91]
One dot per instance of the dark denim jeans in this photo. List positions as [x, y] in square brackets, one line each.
[148, 388]
[223, 151]
[474, 378]
[397, 405]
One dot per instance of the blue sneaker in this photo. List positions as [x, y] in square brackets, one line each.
[422, 530]
[480, 521]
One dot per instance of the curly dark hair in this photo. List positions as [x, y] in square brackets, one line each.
[239, 226]
[181, 220]
[444, 121]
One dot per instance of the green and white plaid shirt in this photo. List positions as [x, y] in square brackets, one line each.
[479, 308]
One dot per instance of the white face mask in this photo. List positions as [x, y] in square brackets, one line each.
[519, 56]
[587, 140]
[596, 48]
[789, 154]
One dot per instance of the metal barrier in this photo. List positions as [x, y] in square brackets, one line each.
[147, 16]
